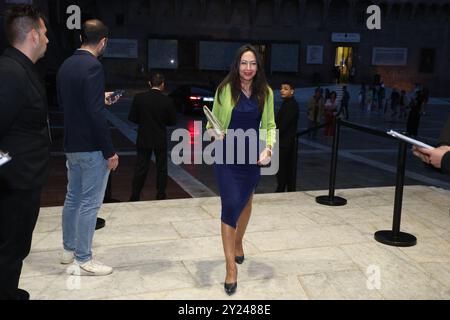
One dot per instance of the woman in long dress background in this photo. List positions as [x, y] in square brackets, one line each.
[244, 101]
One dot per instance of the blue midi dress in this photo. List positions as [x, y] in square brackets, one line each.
[237, 182]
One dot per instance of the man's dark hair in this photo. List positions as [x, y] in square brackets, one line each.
[288, 83]
[93, 31]
[20, 20]
[156, 79]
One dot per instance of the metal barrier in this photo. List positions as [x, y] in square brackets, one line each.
[389, 237]
[297, 137]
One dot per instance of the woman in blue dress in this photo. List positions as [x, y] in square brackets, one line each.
[243, 103]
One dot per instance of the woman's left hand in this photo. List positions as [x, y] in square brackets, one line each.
[265, 157]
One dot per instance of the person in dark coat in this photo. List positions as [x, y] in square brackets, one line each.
[25, 135]
[287, 121]
[153, 112]
[412, 126]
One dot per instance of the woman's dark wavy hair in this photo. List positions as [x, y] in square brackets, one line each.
[260, 87]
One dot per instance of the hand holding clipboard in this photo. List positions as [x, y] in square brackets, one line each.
[219, 132]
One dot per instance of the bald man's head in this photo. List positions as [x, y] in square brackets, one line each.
[93, 31]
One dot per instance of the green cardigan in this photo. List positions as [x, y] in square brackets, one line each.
[224, 109]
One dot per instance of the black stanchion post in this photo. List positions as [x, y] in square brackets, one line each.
[395, 237]
[331, 199]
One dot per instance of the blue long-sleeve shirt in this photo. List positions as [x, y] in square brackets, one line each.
[81, 94]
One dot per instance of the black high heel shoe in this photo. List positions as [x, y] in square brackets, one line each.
[239, 259]
[230, 288]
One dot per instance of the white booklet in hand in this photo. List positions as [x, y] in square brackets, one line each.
[214, 121]
[4, 158]
[407, 139]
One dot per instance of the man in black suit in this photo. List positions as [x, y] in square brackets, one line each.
[287, 121]
[153, 112]
[88, 147]
[24, 133]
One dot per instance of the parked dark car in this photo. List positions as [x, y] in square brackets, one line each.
[191, 98]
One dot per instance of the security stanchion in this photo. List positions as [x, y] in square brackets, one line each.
[395, 237]
[331, 199]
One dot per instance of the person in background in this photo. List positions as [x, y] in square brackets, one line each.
[330, 114]
[381, 96]
[344, 102]
[287, 123]
[425, 98]
[316, 108]
[395, 101]
[88, 147]
[153, 112]
[412, 125]
[403, 103]
[362, 97]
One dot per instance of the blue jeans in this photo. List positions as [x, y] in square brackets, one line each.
[87, 173]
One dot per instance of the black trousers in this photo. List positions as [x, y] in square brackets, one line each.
[286, 173]
[19, 210]
[142, 166]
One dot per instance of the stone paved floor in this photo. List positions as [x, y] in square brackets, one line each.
[295, 249]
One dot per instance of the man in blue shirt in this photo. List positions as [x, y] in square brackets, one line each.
[88, 147]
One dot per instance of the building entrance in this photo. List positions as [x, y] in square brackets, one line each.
[343, 64]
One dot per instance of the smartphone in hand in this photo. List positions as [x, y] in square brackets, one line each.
[116, 94]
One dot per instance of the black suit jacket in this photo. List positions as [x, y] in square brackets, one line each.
[24, 130]
[153, 112]
[81, 93]
[287, 122]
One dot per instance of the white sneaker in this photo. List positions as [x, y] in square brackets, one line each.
[67, 257]
[91, 268]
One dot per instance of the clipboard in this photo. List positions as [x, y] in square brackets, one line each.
[4, 158]
[409, 140]
[214, 121]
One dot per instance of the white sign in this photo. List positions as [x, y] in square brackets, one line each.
[121, 48]
[314, 54]
[389, 56]
[345, 37]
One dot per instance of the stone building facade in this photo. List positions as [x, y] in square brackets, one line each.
[411, 47]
